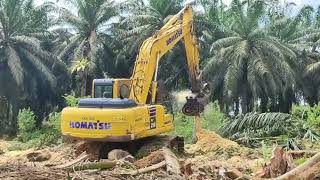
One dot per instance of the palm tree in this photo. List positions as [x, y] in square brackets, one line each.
[21, 23]
[292, 31]
[302, 35]
[211, 24]
[142, 21]
[83, 67]
[249, 64]
[25, 66]
[90, 26]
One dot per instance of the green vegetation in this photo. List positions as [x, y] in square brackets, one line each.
[183, 127]
[299, 161]
[212, 120]
[266, 151]
[71, 101]
[26, 122]
[251, 128]
[31, 136]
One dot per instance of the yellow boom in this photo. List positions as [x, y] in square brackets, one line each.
[179, 27]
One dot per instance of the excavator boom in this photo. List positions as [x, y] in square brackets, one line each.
[179, 27]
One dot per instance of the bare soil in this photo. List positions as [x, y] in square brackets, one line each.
[203, 159]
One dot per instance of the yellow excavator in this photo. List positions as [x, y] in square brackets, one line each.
[123, 110]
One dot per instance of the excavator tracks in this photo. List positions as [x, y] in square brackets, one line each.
[99, 150]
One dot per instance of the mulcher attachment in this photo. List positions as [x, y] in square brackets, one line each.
[193, 107]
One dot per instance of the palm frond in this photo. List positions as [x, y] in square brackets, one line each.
[15, 66]
[273, 123]
[37, 64]
[313, 69]
[224, 42]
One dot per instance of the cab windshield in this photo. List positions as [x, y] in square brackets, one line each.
[103, 91]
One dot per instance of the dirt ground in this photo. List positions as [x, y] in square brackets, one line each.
[211, 150]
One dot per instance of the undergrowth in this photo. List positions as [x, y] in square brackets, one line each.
[212, 119]
[47, 134]
[31, 136]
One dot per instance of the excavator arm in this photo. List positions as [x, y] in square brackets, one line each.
[179, 27]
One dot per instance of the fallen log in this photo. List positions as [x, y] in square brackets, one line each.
[312, 173]
[117, 154]
[302, 169]
[39, 156]
[94, 165]
[146, 169]
[153, 158]
[172, 162]
[233, 173]
[82, 157]
[302, 153]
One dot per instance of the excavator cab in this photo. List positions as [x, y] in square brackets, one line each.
[111, 88]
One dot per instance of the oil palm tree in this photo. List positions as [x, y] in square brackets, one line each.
[142, 21]
[21, 23]
[211, 24]
[90, 26]
[249, 64]
[292, 31]
[25, 67]
[83, 67]
[301, 33]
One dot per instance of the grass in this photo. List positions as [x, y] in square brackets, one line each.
[299, 161]
[212, 120]
[183, 127]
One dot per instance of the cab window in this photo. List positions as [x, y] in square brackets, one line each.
[103, 91]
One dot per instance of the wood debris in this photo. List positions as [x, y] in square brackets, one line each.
[39, 156]
[119, 154]
[308, 170]
[172, 162]
[280, 163]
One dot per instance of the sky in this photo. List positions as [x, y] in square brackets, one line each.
[299, 3]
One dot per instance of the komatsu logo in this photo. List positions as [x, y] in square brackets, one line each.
[174, 37]
[90, 125]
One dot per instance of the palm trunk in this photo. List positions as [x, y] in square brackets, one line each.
[244, 103]
[273, 105]
[236, 111]
[264, 104]
[83, 75]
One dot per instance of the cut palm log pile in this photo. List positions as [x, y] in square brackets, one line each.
[209, 169]
[280, 163]
[162, 162]
[307, 171]
[281, 166]
[172, 163]
[156, 160]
